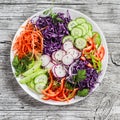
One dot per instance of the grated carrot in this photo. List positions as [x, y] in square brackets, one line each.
[30, 40]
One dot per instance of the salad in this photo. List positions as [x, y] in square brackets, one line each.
[57, 56]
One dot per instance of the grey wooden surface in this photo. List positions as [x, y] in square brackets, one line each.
[103, 104]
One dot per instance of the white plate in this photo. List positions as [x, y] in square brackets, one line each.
[74, 14]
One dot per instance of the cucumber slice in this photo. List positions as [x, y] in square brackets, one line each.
[90, 33]
[76, 32]
[89, 27]
[32, 85]
[39, 87]
[80, 43]
[33, 69]
[80, 20]
[41, 79]
[68, 38]
[72, 24]
[86, 36]
[98, 39]
[83, 29]
[85, 25]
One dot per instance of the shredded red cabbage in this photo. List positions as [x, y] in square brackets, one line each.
[53, 35]
[91, 75]
[54, 32]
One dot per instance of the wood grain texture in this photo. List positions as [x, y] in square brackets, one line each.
[103, 104]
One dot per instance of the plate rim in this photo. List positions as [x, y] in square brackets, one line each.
[106, 56]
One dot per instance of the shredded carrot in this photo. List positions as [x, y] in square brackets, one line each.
[30, 40]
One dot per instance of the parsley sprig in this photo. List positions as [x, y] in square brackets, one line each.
[81, 75]
[53, 15]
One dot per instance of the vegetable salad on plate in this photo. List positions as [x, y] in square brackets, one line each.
[57, 56]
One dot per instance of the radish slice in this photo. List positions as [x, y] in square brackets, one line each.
[45, 59]
[50, 65]
[67, 45]
[54, 62]
[53, 56]
[60, 71]
[75, 53]
[59, 55]
[53, 71]
[67, 59]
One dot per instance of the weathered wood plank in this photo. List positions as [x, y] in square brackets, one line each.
[103, 104]
[44, 115]
[61, 1]
[106, 16]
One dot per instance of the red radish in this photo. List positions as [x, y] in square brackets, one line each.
[54, 62]
[67, 45]
[75, 53]
[53, 71]
[67, 59]
[59, 55]
[53, 56]
[50, 65]
[60, 71]
[45, 59]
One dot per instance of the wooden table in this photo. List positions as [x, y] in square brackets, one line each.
[103, 104]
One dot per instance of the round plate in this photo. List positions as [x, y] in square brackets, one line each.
[74, 14]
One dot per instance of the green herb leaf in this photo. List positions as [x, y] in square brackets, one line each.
[59, 19]
[46, 12]
[15, 61]
[81, 75]
[53, 15]
[21, 65]
[83, 92]
[69, 86]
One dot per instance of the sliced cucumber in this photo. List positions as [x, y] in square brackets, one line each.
[41, 79]
[72, 24]
[68, 38]
[76, 32]
[85, 25]
[80, 43]
[83, 29]
[31, 84]
[33, 69]
[86, 36]
[39, 87]
[89, 27]
[98, 39]
[80, 20]
[90, 33]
